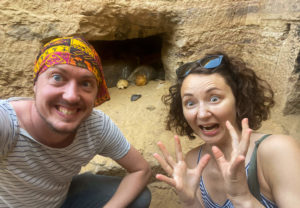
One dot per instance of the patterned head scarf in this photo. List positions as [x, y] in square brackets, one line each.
[74, 51]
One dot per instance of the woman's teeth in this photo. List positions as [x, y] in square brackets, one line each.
[209, 128]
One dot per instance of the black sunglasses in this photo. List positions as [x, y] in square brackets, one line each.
[209, 62]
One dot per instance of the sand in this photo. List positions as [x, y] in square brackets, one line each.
[142, 123]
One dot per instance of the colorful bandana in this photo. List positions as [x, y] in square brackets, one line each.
[74, 51]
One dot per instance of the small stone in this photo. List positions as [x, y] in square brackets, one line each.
[135, 97]
[150, 107]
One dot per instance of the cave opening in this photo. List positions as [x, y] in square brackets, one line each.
[126, 59]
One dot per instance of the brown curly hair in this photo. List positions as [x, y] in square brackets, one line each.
[254, 96]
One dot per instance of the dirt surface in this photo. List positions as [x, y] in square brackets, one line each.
[142, 123]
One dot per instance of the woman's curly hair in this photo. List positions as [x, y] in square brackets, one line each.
[253, 95]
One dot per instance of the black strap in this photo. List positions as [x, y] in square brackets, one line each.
[252, 171]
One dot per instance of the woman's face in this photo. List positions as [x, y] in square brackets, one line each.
[208, 102]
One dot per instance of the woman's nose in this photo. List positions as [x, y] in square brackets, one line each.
[203, 112]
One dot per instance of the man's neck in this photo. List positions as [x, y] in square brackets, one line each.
[31, 121]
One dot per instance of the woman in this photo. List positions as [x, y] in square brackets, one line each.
[220, 100]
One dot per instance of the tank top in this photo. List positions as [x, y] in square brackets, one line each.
[209, 203]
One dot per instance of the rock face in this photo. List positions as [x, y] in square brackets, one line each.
[265, 33]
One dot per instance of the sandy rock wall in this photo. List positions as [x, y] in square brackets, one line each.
[265, 33]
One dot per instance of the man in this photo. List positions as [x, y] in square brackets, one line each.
[45, 141]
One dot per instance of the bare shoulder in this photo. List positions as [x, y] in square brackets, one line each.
[279, 169]
[278, 151]
[278, 143]
[192, 156]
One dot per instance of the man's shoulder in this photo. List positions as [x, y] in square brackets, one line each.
[14, 99]
[14, 103]
[96, 118]
[5, 107]
[4, 102]
[96, 114]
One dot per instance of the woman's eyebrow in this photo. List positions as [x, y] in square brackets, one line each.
[187, 95]
[212, 89]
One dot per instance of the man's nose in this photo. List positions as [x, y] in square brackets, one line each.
[71, 93]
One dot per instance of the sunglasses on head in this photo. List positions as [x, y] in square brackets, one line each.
[208, 62]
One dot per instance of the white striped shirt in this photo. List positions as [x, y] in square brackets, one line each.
[35, 175]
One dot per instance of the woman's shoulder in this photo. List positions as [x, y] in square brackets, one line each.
[278, 142]
[278, 166]
[278, 147]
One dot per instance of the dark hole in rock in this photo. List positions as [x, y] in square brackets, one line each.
[126, 59]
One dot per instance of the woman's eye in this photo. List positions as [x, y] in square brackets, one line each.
[189, 103]
[57, 77]
[214, 99]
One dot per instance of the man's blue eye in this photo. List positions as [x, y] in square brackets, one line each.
[57, 77]
[87, 84]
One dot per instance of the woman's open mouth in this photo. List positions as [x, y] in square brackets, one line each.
[209, 127]
[209, 130]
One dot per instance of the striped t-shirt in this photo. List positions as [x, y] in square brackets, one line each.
[35, 175]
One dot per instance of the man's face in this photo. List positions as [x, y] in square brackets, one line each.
[64, 97]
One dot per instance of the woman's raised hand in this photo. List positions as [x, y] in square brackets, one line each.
[183, 179]
[233, 170]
